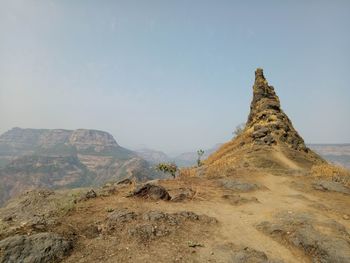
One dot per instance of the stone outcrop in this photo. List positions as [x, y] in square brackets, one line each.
[267, 122]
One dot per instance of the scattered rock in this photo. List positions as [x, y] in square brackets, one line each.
[121, 216]
[325, 241]
[346, 217]
[91, 194]
[39, 248]
[146, 232]
[176, 218]
[187, 215]
[155, 216]
[331, 186]
[154, 192]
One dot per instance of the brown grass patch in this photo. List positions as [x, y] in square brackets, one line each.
[333, 172]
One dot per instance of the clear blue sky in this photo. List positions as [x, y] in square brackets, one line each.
[173, 75]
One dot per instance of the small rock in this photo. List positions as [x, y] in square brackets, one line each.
[194, 244]
[346, 217]
[91, 194]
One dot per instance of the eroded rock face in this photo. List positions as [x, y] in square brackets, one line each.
[267, 122]
[38, 248]
[84, 139]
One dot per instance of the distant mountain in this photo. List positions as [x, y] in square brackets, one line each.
[190, 158]
[32, 158]
[335, 153]
[182, 160]
[153, 156]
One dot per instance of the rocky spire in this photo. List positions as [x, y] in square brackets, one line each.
[267, 122]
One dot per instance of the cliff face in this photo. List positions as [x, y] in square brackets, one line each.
[98, 140]
[34, 158]
[19, 141]
[268, 140]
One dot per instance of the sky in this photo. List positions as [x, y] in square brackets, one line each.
[176, 75]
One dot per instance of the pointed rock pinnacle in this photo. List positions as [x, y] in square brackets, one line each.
[267, 122]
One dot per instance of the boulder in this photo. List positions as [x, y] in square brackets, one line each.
[151, 191]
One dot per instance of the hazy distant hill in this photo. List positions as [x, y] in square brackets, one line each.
[190, 158]
[336, 153]
[31, 158]
[182, 160]
[153, 156]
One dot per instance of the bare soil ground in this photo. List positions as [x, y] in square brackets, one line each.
[234, 235]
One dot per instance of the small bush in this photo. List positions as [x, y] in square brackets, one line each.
[238, 130]
[170, 168]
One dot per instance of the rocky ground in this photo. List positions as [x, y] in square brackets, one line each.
[253, 217]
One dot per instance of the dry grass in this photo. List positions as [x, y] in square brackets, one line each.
[187, 172]
[330, 171]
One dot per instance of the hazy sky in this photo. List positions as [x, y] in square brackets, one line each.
[173, 75]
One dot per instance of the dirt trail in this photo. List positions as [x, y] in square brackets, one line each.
[238, 222]
[284, 161]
